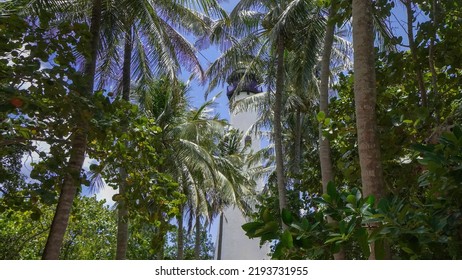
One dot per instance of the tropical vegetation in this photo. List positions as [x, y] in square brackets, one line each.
[361, 109]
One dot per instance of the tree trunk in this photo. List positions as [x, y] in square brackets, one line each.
[122, 222]
[298, 145]
[122, 219]
[327, 171]
[126, 71]
[431, 57]
[180, 236]
[365, 102]
[278, 125]
[78, 149]
[220, 237]
[413, 48]
[197, 243]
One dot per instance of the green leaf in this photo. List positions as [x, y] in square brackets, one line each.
[287, 217]
[251, 227]
[358, 195]
[408, 250]
[384, 205]
[306, 224]
[351, 199]
[332, 190]
[326, 198]
[361, 236]
[337, 238]
[268, 227]
[371, 200]
[267, 215]
[93, 167]
[287, 240]
[268, 236]
[321, 116]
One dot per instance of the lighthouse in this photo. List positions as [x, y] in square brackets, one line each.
[235, 245]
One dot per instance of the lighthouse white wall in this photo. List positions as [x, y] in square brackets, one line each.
[236, 245]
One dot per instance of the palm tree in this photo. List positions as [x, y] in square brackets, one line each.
[324, 147]
[365, 101]
[208, 178]
[267, 32]
[78, 147]
[153, 46]
[327, 171]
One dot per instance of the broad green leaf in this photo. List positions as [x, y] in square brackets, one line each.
[361, 236]
[351, 199]
[321, 116]
[332, 190]
[252, 227]
[287, 216]
[287, 239]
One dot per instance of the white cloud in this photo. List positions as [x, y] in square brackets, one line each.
[107, 193]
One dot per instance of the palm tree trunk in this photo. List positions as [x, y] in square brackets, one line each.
[413, 48]
[78, 149]
[122, 222]
[126, 71]
[431, 56]
[122, 219]
[197, 243]
[365, 102]
[327, 170]
[161, 251]
[298, 145]
[220, 237]
[180, 236]
[278, 125]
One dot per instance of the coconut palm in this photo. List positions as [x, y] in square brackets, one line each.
[78, 147]
[209, 178]
[152, 45]
[270, 27]
[365, 101]
[266, 29]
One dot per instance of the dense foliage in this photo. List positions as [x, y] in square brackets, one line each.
[177, 167]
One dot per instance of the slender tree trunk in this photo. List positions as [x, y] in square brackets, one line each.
[327, 170]
[126, 71]
[122, 222]
[161, 252]
[78, 149]
[278, 125]
[220, 237]
[197, 243]
[180, 236]
[365, 102]
[298, 145]
[431, 56]
[413, 48]
[122, 219]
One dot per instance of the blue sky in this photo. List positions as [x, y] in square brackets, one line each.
[397, 20]
[197, 91]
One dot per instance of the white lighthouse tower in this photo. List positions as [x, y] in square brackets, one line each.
[235, 245]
